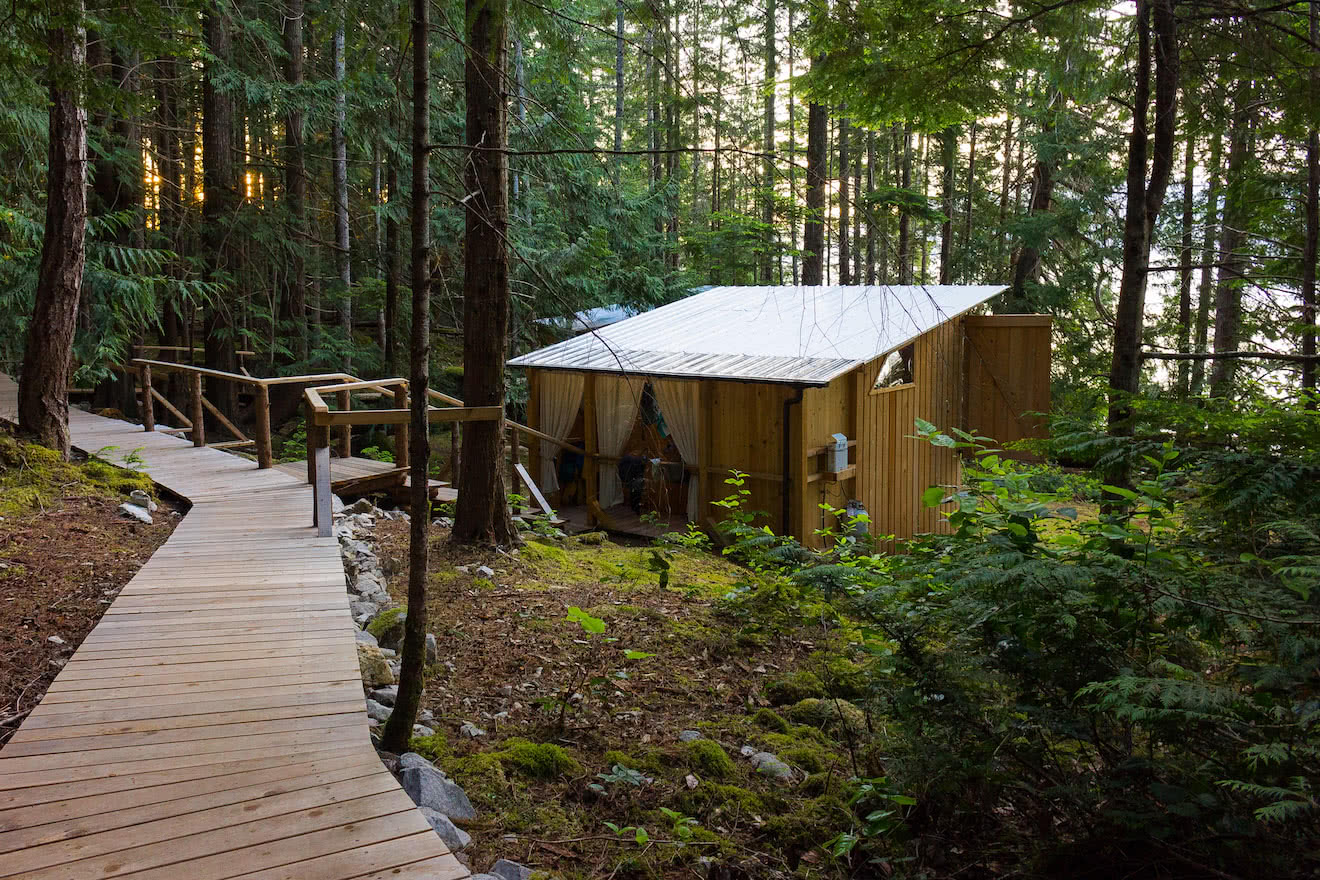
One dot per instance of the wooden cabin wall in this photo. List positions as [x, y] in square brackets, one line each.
[825, 412]
[1008, 376]
[746, 429]
[893, 470]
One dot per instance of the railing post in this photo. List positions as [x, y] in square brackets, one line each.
[513, 460]
[265, 455]
[345, 431]
[321, 492]
[401, 430]
[198, 414]
[148, 407]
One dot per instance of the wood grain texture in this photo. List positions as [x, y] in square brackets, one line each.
[212, 724]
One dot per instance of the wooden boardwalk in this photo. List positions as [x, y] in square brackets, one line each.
[212, 725]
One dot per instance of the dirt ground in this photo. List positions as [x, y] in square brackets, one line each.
[65, 553]
[561, 707]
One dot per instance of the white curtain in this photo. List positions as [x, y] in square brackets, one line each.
[559, 395]
[617, 400]
[680, 402]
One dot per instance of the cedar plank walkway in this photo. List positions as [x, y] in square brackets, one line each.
[212, 725]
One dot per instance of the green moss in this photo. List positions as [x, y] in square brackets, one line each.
[842, 677]
[483, 583]
[770, 720]
[539, 760]
[711, 799]
[537, 552]
[839, 717]
[482, 777]
[708, 758]
[809, 759]
[799, 686]
[809, 825]
[33, 477]
[387, 622]
[652, 763]
[434, 747]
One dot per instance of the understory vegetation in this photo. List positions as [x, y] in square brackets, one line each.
[1080, 679]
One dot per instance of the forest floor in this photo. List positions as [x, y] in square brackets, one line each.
[581, 730]
[65, 553]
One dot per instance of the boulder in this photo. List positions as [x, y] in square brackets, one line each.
[362, 505]
[377, 711]
[336, 505]
[594, 538]
[454, 837]
[132, 511]
[142, 499]
[770, 765]
[507, 870]
[428, 787]
[386, 695]
[423, 730]
[375, 669]
[365, 638]
[471, 730]
[409, 760]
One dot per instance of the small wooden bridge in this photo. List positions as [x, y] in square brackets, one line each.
[212, 725]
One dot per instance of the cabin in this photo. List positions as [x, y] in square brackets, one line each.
[812, 392]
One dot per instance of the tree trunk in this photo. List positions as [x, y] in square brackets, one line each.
[845, 249]
[343, 266]
[1208, 256]
[792, 154]
[43, 394]
[1309, 248]
[1144, 200]
[1232, 260]
[948, 150]
[220, 207]
[904, 218]
[482, 513]
[398, 727]
[618, 90]
[295, 181]
[1005, 183]
[393, 272]
[1183, 381]
[768, 255]
[965, 251]
[870, 211]
[1027, 267]
[813, 230]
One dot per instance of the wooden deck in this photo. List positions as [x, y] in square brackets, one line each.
[350, 473]
[212, 725]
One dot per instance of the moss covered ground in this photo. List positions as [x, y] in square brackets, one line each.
[583, 712]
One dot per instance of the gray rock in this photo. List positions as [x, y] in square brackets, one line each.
[142, 499]
[386, 695]
[428, 787]
[432, 649]
[454, 837]
[360, 609]
[377, 711]
[770, 765]
[362, 505]
[426, 716]
[409, 760]
[422, 730]
[132, 511]
[365, 638]
[368, 581]
[470, 729]
[336, 505]
[687, 736]
[486, 572]
[748, 751]
[484, 877]
[508, 870]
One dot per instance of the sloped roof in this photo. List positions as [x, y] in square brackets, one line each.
[799, 335]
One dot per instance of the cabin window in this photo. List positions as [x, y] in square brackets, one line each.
[896, 369]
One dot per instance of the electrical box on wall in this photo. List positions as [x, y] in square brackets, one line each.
[839, 453]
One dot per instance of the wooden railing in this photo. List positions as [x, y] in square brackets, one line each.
[321, 419]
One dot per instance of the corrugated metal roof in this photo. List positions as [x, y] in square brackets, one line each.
[806, 335]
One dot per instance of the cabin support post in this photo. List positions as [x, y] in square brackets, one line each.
[345, 431]
[514, 458]
[401, 430]
[261, 412]
[590, 461]
[534, 421]
[148, 402]
[706, 448]
[198, 413]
